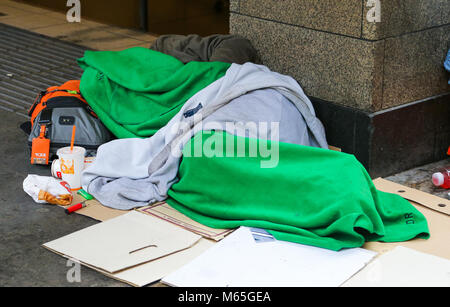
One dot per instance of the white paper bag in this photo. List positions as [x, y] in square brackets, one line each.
[50, 190]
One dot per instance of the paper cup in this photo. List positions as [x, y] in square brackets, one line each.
[72, 164]
[56, 166]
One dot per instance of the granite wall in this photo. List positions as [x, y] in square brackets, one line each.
[338, 55]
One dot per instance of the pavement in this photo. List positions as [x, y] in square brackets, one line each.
[25, 225]
[89, 33]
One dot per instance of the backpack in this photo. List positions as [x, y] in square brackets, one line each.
[53, 115]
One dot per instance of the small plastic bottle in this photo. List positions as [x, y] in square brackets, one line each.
[442, 179]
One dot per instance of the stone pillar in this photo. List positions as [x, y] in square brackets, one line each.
[376, 78]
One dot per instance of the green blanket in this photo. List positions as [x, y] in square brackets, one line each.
[135, 92]
[313, 196]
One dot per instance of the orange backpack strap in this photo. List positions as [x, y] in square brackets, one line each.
[36, 102]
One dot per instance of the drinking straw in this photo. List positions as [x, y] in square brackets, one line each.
[74, 128]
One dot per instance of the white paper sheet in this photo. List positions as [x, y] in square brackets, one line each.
[404, 267]
[238, 261]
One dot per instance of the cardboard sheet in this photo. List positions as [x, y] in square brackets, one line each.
[94, 209]
[123, 242]
[425, 199]
[239, 261]
[164, 211]
[404, 267]
[434, 208]
[150, 272]
[155, 270]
